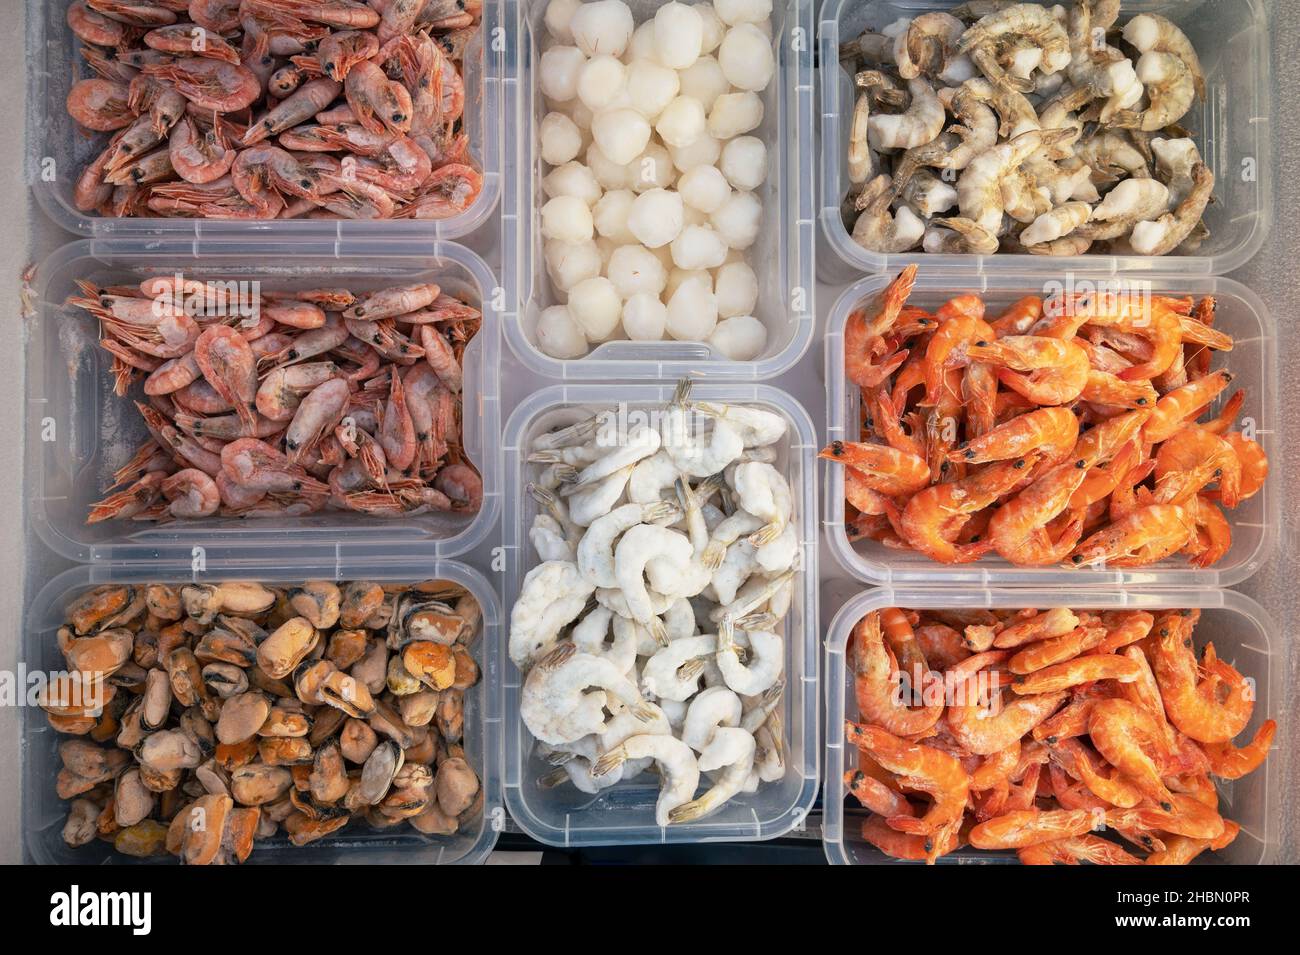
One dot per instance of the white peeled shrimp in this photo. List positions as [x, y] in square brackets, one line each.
[548, 540]
[599, 498]
[764, 667]
[674, 672]
[701, 458]
[778, 555]
[769, 763]
[732, 751]
[921, 122]
[676, 711]
[1175, 160]
[575, 455]
[595, 552]
[651, 477]
[635, 549]
[738, 565]
[710, 708]
[678, 771]
[555, 705]
[622, 726]
[757, 428]
[552, 596]
[589, 634]
[1057, 223]
[763, 491]
[679, 621]
[757, 709]
[684, 580]
[614, 599]
[573, 762]
[579, 432]
[640, 442]
[1150, 32]
[556, 508]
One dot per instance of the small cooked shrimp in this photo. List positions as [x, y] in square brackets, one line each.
[876, 684]
[1023, 530]
[679, 771]
[1125, 735]
[555, 704]
[1230, 762]
[1142, 536]
[228, 365]
[1211, 703]
[1029, 827]
[1085, 669]
[929, 517]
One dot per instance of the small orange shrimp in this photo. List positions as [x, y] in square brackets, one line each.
[1191, 451]
[1104, 388]
[930, 515]
[1055, 650]
[1076, 849]
[997, 768]
[884, 469]
[1231, 762]
[1124, 627]
[1028, 827]
[1112, 788]
[1181, 406]
[1086, 669]
[1182, 850]
[949, 346]
[979, 391]
[984, 730]
[1052, 431]
[100, 105]
[1253, 464]
[1187, 817]
[876, 684]
[863, 338]
[140, 496]
[1210, 710]
[1047, 371]
[1123, 734]
[1019, 317]
[900, 845]
[876, 796]
[191, 494]
[1213, 537]
[924, 769]
[448, 191]
[901, 638]
[1020, 529]
[211, 85]
[1143, 536]
[941, 644]
[1103, 442]
[1040, 625]
[378, 103]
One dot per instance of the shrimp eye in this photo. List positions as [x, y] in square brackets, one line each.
[1227, 376]
[1051, 741]
[1167, 806]
[1081, 464]
[1218, 472]
[969, 454]
[929, 845]
[975, 539]
[1141, 401]
[963, 446]
[944, 467]
[1077, 558]
[1020, 464]
[837, 448]
[1188, 643]
[981, 344]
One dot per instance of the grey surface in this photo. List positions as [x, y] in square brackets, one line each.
[26, 236]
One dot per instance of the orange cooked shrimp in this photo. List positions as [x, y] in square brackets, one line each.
[923, 769]
[877, 684]
[901, 638]
[1231, 762]
[1210, 710]
[1253, 462]
[1055, 650]
[1047, 371]
[901, 845]
[1086, 669]
[1020, 529]
[1076, 849]
[882, 468]
[876, 796]
[863, 337]
[1180, 406]
[949, 346]
[983, 730]
[1028, 827]
[1037, 626]
[1194, 450]
[1182, 850]
[1143, 536]
[930, 515]
[1123, 734]
[1052, 431]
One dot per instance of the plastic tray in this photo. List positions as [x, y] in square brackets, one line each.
[782, 257]
[624, 814]
[1242, 633]
[1231, 126]
[44, 813]
[1253, 360]
[92, 432]
[57, 150]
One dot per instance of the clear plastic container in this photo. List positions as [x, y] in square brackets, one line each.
[782, 256]
[625, 814]
[1253, 361]
[80, 432]
[1232, 127]
[1241, 630]
[44, 813]
[58, 151]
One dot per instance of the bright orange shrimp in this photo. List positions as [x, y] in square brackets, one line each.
[877, 684]
[1052, 431]
[931, 513]
[1210, 710]
[1213, 537]
[884, 469]
[1231, 762]
[942, 645]
[1124, 734]
[1182, 850]
[924, 769]
[1040, 625]
[901, 845]
[1047, 371]
[949, 346]
[1104, 388]
[1076, 849]
[863, 338]
[1180, 406]
[1187, 817]
[1019, 529]
[859, 493]
[1028, 827]
[883, 419]
[984, 730]
[1105, 441]
[1101, 480]
[997, 768]
[1146, 535]
[1194, 450]
[1222, 422]
[979, 391]
[901, 638]
[1112, 788]
[1086, 669]
[876, 796]
[1253, 462]
[1055, 650]
[1019, 317]
[1124, 627]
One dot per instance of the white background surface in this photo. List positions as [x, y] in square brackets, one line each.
[26, 236]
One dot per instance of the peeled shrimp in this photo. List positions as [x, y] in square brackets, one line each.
[921, 122]
[765, 666]
[678, 770]
[553, 594]
[555, 705]
[638, 546]
[710, 709]
[673, 673]
[1151, 32]
[589, 636]
[763, 491]
[879, 230]
[595, 551]
[732, 751]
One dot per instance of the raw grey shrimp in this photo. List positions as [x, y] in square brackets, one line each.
[920, 123]
[1150, 32]
[306, 102]
[1170, 90]
[1026, 23]
[1173, 228]
[979, 190]
[879, 230]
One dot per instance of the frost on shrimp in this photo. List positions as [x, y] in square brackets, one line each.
[554, 702]
[552, 596]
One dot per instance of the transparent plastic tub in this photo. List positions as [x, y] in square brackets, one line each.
[58, 151]
[1242, 633]
[782, 257]
[625, 814]
[1253, 361]
[80, 432]
[1231, 126]
[43, 813]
